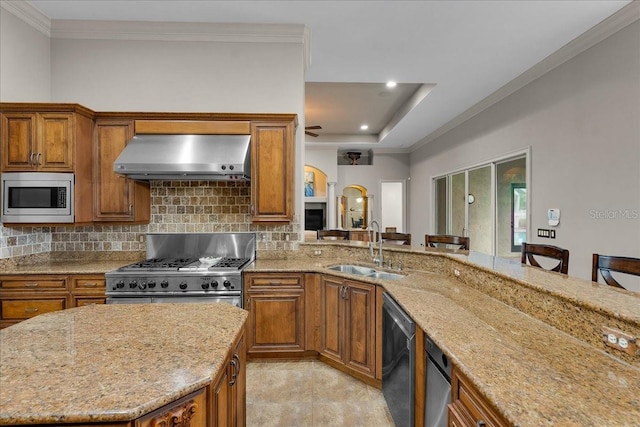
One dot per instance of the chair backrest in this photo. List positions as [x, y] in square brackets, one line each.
[431, 240]
[606, 264]
[403, 238]
[333, 235]
[547, 251]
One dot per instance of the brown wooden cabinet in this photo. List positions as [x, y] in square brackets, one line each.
[276, 305]
[468, 408]
[38, 142]
[228, 391]
[190, 411]
[272, 166]
[23, 297]
[49, 138]
[26, 296]
[115, 197]
[87, 289]
[348, 327]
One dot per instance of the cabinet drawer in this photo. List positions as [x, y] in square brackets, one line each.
[33, 283]
[275, 281]
[82, 301]
[25, 309]
[469, 404]
[88, 283]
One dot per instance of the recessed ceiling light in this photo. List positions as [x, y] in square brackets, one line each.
[364, 127]
[391, 84]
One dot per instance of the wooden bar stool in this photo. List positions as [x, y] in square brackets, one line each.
[547, 251]
[399, 238]
[445, 239]
[606, 264]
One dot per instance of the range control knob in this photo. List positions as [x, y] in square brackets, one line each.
[224, 167]
[133, 284]
[151, 284]
[205, 285]
[164, 284]
[142, 285]
[120, 284]
[214, 284]
[230, 167]
[227, 284]
[183, 285]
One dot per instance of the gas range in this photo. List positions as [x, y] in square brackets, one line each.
[198, 267]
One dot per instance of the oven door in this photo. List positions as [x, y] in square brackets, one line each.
[235, 300]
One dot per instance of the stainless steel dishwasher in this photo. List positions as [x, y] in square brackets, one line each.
[438, 385]
[398, 362]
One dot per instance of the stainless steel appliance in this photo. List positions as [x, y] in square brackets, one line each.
[190, 268]
[176, 157]
[30, 197]
[398, 362]
[438, 385]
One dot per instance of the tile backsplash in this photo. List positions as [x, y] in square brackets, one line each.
[176, 207]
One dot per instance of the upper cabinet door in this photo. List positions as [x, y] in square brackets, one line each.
[115, 197]
[18, 141]
[272, 164]
[56, 142]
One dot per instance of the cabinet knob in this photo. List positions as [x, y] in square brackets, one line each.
[481, 423]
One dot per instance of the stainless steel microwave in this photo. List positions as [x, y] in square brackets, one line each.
[37, 197]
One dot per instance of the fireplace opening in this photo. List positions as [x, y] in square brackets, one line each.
[314, 216]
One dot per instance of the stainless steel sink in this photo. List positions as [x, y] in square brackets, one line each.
[353, 269]
[385, 275]
[365, 271]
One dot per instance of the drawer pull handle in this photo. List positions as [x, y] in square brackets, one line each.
[275, 282]
[90, 284]
[481, 423]
[31, 310]
[31, 285]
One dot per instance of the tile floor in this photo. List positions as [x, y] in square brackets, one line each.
[311, 394]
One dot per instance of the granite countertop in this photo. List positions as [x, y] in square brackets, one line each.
[534, 374]
[67, 267]
[107, 363]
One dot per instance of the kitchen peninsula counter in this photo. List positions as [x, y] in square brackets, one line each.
[534, 374]
[112, 363]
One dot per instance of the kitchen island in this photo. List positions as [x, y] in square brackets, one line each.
[118, 363]
[528, 340]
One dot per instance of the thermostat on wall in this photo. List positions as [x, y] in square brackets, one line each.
[554, 217]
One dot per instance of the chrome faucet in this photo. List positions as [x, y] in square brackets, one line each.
[377, 261]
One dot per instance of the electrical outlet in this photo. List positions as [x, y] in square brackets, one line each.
[619, 340]
[456, 272]
[317, 252]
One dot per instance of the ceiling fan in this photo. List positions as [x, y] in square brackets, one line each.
[308, 128]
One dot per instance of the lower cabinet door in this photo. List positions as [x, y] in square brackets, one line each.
[221, 400]
[360, 316]
[189, 411]
[276, 321]
[331, 323]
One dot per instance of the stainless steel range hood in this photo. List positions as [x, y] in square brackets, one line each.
[186, 157]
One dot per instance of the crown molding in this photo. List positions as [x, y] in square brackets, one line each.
[611, 25]
[29, 14]
[178, 31]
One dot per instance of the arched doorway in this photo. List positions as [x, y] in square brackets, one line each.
[354, 207]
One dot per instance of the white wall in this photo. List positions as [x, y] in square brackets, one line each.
[324, 159]
[582, 123]
[25, 61]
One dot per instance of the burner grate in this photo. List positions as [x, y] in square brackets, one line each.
[161, 263]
